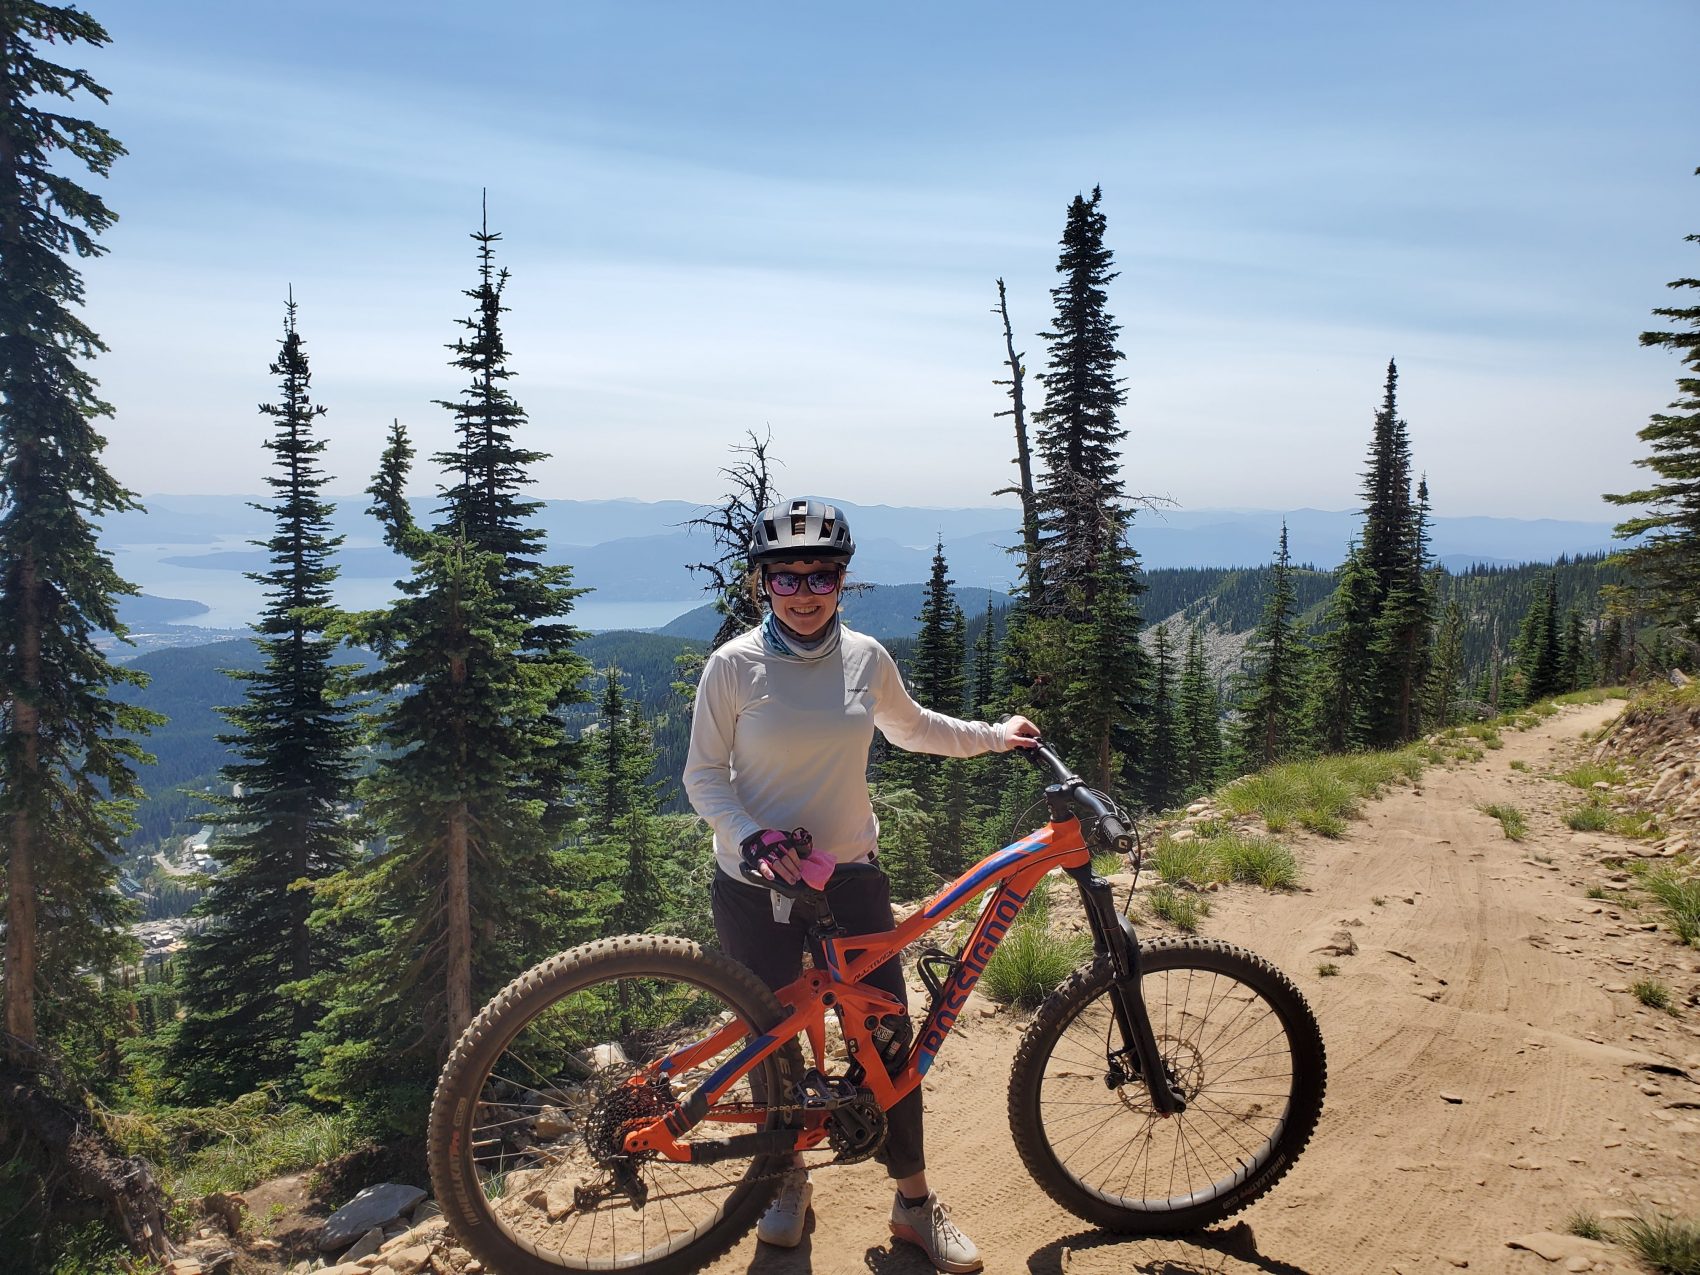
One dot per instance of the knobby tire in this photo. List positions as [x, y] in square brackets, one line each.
[1238, 1038]
[530, 1101]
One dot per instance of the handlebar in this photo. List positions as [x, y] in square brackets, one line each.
[1107, 821]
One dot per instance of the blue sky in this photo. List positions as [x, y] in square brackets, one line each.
[723, 217]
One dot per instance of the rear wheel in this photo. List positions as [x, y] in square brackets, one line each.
[1235, 1036]
[526, 1142]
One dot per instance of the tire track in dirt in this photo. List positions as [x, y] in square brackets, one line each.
[1482, 973]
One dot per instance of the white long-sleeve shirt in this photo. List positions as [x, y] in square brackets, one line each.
[779, 741]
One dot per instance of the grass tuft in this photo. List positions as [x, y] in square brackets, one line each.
[1517, 763]
[1680, 895]
[1031, 961]
[1586, 1225]
[1258, 861]
[1178, 908]
[1667, 1244]
[1651, 993]
[1590, 773]
[1328, 969]
[1190, 862]
[1511, 820]
[1589, 817]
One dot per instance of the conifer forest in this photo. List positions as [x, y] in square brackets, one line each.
[406, 806]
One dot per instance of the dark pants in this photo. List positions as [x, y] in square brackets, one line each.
[773, 952]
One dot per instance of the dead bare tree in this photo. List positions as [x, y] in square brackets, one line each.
[731, 524]
[1023, 455]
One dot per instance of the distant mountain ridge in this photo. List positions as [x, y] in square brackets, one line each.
[629, 550]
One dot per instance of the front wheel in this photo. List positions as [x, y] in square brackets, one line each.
[1236, 1037]
[527, 1136]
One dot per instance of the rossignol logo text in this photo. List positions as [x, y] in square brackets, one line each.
[1005, 909]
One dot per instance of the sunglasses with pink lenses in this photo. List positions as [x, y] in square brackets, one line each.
[785, 583]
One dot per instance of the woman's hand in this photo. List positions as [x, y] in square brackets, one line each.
[778, 854]
[1018, 732]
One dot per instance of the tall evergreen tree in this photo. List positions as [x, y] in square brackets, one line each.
[1404, 636]
[1388, 512]
[1669, 557]
[1078, 435]
[292, 785]
[1105, 708]
[1270, 725]
[1344, 663]
[67, 755]
[938, 674]
[988, 661]
[484, 504]
[1200, 720]
[1538, 646]
[618, 762]
[1079, 648]
[470, 886]
[1446, 677]
[1162, 763]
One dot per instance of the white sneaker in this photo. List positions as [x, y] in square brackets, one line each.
[929, 1228]
[783, 1223]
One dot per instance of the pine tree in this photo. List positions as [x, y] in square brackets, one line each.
[469, 887]
[619, 812]
[1162, 761]
[1078, 435]
[1447, 674]
[1538, 646]
[1082, 636]
[1669, 557]
[1273, 672]
[1200, 721]
[67, 756]
[1105, 707]
[1388, 513]
[1344, 662]
[1404, 636]
[483, 504]
[988, 662]
[292, 785]
[618, 763]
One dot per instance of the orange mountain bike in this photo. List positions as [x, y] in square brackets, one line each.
[633, 1103]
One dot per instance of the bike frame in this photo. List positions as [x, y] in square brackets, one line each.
[1011, 874]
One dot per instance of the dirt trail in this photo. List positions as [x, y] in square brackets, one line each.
[1482, 972]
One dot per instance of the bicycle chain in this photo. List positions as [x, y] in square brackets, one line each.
[751, 1109]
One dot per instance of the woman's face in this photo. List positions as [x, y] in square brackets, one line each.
[804, 612]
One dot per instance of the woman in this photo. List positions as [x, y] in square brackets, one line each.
[784, 718]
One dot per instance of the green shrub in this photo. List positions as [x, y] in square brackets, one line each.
[1511, 820]
[1179, 908]
[1651, 993]
[1517, 763]
[1593, 695]
[1680, 895]
[1665, 1243]
[1590, 773]
[1586, 1225]
[1328, 969]
[1257, 861]
[1589, 817]
[1188, 862]
[1031, 962]
[294, 1139]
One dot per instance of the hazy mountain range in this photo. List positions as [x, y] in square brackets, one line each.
[635, 552]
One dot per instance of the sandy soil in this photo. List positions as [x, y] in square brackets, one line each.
[1482, 971]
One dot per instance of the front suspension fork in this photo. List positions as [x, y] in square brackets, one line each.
[1113, 938]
